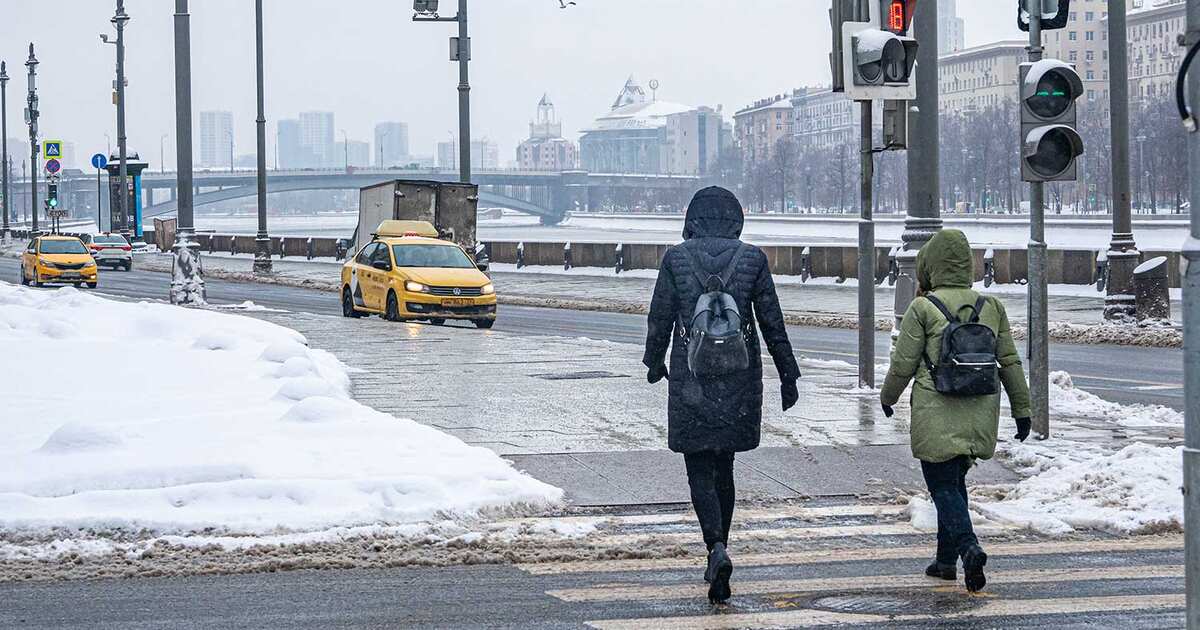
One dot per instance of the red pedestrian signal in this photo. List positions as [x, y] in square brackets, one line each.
[897, 20]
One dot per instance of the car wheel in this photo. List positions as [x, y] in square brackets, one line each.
[129, 266]
[78, 285]
[92, 285]
[348, 309]
[437, 321]
[35, 281]
[392, 313]
[485, 324]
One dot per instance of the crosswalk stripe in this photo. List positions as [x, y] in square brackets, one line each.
[821, 556]
[788, 533]
[817, 618]
[748, 515]
[640, 592]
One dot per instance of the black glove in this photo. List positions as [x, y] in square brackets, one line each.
[1023, 427]
[888, 411]
[791, 395]
[657, 373]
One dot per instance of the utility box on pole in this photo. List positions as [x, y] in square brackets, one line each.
[450, 207]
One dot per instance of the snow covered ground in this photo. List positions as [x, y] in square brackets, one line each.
[141, 420]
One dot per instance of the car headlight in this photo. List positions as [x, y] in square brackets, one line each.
[46, 263]
[415, 287]
[487, 289]
[89, 264]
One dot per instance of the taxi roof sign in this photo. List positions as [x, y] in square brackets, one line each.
[393, 228]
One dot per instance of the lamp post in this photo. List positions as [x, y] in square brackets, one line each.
[1141, 139]
[229, 134]
[187, 280]
[119, 19]
[162, 160]
[31, 119]
[4, 164]
[262, 242]
[345, 151]
[1123, 254]
[460, 51]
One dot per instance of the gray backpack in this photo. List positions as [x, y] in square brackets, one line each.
[716, 334]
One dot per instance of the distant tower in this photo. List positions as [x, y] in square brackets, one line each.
[951, 35]
[546, 125]
[631, 94]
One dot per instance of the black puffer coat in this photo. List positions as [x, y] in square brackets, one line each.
[722, 413]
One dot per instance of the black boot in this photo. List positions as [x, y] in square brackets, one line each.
[942, 571]
[720, 567]
[973, 562]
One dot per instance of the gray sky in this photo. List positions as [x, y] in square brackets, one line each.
[367, 62]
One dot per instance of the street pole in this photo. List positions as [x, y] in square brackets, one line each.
[187, 279]
[345, 151]
[162, 160]
[866, 256]
[924, 186]
[1191, 349]
[464, 96]
[1039, 328]
[262, 242]
[31, 118]
[99, 203]
[119, 19]
[4, 163]
[1123, 255]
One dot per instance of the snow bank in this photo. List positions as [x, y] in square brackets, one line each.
[1065, 400]
[149, 418]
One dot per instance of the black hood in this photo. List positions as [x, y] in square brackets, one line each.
[713, 212]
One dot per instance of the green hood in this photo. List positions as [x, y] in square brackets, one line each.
[945, 261]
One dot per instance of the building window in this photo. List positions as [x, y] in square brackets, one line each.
[1073, 36]
[1090, 35]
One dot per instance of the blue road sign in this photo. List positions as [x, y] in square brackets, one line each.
[53, 166]
[99, 161]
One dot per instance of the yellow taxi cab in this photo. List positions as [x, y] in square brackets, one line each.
[407, 273]
[58, 259]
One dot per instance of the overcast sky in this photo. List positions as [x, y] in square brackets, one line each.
[368, 62]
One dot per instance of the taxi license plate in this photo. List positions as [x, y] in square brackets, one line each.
[70, 275]
[458, 302]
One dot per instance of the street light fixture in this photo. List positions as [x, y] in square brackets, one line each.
[4, 163]
[262, 242]
[119, 19]
[460, 51]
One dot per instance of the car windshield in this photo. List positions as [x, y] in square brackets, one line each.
[110, 240]
[446, 256]
[72, 246]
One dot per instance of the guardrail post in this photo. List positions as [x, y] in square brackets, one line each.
[893, 267]
[620, 264]
[309, 248]
[805, 264]
[989, 267]
[567, 257]
[1101, 271]
[233, 250]
[520, 255]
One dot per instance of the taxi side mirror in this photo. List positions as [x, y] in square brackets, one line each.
[381, 265]
[482, 265]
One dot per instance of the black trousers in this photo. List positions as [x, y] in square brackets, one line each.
[710, 478]
[947, 482]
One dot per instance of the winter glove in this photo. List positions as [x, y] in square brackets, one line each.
[1023, 427]
[657, 373]
[791, 395]
[888, 411]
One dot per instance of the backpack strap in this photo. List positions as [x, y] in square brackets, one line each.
[727, 274]
[979, 304]
[694, 262]
[950, 317]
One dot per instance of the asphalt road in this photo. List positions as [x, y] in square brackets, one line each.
[1118, 373]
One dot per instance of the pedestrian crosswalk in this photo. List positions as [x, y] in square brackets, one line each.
[858, 565]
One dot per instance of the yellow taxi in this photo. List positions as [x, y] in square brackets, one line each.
[407, 273]
[58, 259]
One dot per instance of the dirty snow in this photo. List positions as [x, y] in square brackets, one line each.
[236, 428]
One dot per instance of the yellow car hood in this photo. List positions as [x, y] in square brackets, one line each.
[67, 259]
[440, 277]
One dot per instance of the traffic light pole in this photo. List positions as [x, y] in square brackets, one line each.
[1191, 350]
[866, 255]
[262, 242]
[1039, 327]
[1123, 254]
[463, 54]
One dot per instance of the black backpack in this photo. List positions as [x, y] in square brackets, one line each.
[716, 334]
[967, 365]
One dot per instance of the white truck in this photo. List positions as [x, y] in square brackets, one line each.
[450, 207]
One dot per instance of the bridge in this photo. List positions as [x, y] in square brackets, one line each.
[548, 195]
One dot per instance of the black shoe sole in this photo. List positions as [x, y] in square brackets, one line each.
[718, 590]
[949, 577]
[973, 571]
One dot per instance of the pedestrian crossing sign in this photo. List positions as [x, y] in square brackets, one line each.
[52, 149]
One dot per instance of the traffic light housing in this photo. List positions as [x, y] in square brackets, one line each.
[425, 6]
[52, 196]
[873, 55]
[1055, 14]
[1050, 143]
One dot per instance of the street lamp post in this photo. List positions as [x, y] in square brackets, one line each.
[1191, 348]
[460, 52]
[119, 19]
[4, 164]
[1141, 139]
[31, 119]
[262, 242]
[229, 134]
[162, 160]
[345, 151]
[1123, 254]
[187, 279]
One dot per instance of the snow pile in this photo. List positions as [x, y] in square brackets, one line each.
[152, 419]
[1065, 400]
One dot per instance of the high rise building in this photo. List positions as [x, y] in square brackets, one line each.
[1154, 53]
[290, 152]
[391, 144]
[216, 138]
[353, 154]
[316, 135]
[484, 154]
[546, 149]
[951, 32]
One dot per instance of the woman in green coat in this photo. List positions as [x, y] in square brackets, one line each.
[950, 432]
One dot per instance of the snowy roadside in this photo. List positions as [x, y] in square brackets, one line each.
[238, 434]
[1122, 488]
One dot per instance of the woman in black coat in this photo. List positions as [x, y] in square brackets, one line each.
[711, 418]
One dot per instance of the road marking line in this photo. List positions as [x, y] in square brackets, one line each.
[825, 556]
[750, 515]
[799, 587]
[817, 618]
[1157, 388]
[788, 533]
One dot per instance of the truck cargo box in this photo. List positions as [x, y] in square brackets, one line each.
[450, 207]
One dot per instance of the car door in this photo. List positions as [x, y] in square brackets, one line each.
[379, 277]
[360, 277]
[29, 259]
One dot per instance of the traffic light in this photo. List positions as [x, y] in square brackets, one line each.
[52, 196]
[425, 6]
[1054, 14]
[1050, 143]
[873, 55]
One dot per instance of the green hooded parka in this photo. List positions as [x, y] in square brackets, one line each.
[945, 427]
